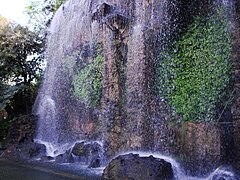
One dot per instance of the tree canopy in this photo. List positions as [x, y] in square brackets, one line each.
[41, 12]
[21, 55]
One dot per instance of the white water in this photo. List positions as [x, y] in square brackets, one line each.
[179, 173]
[54, 150]
[76, 15]
[56, 127]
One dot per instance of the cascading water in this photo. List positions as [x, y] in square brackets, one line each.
[100, 76]
[58, 124]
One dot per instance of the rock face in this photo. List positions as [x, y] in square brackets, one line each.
[133, 167]
[198, 143]
[25, 151]
[89, 153]
[236, 106]
[65, 158]
[99, 83]
[224, 174]
[100, 79]
[22, 130]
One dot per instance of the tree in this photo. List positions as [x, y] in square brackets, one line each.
[41, 12]
[21, 56]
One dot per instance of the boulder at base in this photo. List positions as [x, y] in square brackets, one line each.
[25, 151]
[133, 167]
[88, 152]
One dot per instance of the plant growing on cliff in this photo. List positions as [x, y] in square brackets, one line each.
[195, 72]
[88, 84]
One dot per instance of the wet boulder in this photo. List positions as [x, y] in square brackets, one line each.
[90, 153]
[131, 166]
[25, 151]
[95, 162]
[224, 174]
[65, 158]
[77, 149]
[22, 130]
[47, 158]
[102, 11]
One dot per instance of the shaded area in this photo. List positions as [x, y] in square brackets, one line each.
[10, 170]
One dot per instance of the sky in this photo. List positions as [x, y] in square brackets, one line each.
[14, 10]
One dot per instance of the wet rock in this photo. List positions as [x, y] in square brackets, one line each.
[102, 11]
[89, 153]
[47, 158]
[95, 162]
[22, 130]
[224, 174]
[65, 158]
[78, 149]
[116, 22]
[131, 166]
[25, 151]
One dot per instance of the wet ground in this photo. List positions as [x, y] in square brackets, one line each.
[11, 170]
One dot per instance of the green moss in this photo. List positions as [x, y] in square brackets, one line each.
[88, 84]
[195, 72]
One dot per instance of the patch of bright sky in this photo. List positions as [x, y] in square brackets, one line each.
[14, 10]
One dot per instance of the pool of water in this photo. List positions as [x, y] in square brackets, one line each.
[11, 170]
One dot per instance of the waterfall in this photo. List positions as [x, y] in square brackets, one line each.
[54, 107]
[101, 76]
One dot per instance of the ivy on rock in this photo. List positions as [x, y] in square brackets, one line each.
[195, 72]
[88, 84]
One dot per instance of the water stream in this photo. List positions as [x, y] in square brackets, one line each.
[126, 34]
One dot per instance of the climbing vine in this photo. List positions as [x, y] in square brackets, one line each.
[195, 72]
[88, 84]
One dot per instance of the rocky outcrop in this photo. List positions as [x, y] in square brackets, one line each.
[127, 37]
[22, 129]
[131, 166]
[20, 143]
[224, 174]
[89, 153]
[236, 63]
[25, 151]
[65, 158]
[200, 143]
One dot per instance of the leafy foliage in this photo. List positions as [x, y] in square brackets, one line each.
[21, 55]
[196, 71]
[89, 81]
[4, 129]
[41, 13]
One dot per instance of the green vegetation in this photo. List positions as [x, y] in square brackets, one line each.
[21, 59]
[88, 84]
[41, 13]
[195, 73]
[21, 56]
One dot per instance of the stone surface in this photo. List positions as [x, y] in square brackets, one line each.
[236, 63]
[89, 153]
[133, 167]
[47, 158]
[225, 174]
[95, 162]
[65, 158]
[25, 151]
[22, 130]
[77, 149]
[129, 115]
[199, 143]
